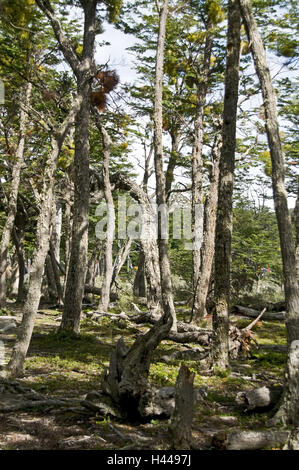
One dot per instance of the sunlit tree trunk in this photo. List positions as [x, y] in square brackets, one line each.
[289, 409]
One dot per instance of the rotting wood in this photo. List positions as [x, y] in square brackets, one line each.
[181, 422]
[249, 440]
[251, 313]
[263, 397]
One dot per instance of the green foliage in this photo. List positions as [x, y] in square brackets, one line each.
[255, 245]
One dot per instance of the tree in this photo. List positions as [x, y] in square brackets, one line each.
[289, 408]
[166, 290]
[225, 192]
[16, 363]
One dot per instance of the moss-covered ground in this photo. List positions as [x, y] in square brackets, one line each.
[71, 365]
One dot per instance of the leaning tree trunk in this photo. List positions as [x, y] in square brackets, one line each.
[220, 349]
[16, 363]
[147, 238]
[13, 197]
[208, 245]
[290, 403]
[121, 259]
[166, 288]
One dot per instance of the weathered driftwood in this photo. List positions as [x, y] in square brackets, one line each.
[263, 397]
[251, 313]
[181, 422]
[249, 440]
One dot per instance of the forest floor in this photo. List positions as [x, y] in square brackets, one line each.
[69, 367]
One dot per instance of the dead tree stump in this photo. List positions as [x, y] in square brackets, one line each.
[126, 382]
[181, 421]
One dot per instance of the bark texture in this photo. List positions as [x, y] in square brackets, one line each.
[108, 269]
[197, 163]
[16, 363]
[181, 420]
[166, 288]
[290, 402]
[208, 245]
[74, 290]
[224, 209]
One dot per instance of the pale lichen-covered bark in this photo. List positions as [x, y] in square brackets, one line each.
[13, 195]
[290, 400]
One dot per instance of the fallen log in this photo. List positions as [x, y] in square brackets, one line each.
[251, 313]
[249, 440]
[258, 398]
[98, 291]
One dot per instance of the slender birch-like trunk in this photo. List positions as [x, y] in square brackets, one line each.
[166, 288]
[13, 195]
[197, 166]
[108, 269]
[16, 363]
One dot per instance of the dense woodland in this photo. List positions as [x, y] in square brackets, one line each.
[124, 327]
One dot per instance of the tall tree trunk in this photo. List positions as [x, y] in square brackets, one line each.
[175, 139]
[224, 209]
[16, 363]
[208, 246]
[56, 230]
[139, 289]
[197, 161]
[92, 269]
[121, 259]
[296, 215]
[18, 239]
[74, 290]
[13, 197]
[166, 288]
[56, 274]
[290, 403]
[68, 228]
[147, 239]
[108, 269]
[52, 291]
